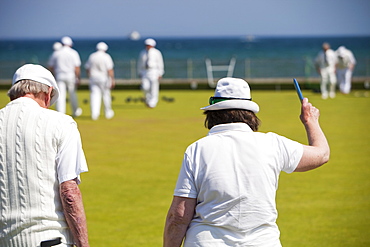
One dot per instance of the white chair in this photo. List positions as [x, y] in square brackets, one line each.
[210, 68]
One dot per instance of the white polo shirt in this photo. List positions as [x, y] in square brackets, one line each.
[345, 59]
[64, 62]
[326, 59]
[233, 172]
[99, 63]
[151, 61]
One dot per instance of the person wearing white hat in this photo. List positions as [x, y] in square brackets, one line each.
[65, 64]
[41, 159]
[226, 189]
[151, 70]
[56, 47]
[99, 68]
[346, 65]
[325, 63]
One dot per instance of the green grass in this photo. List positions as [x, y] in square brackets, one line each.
[135, 157]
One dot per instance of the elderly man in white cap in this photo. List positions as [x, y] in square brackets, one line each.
[225, 192]
[41, 158]
[325, 63]
[65, 65]
[151, 70]
[346, 65]
[99, 68]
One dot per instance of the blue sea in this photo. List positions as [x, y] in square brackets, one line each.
[256, 57]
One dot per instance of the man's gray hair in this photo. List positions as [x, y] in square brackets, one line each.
[23, 87]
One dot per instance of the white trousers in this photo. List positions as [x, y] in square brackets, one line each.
[64, 85]
[150, 86]
[99, 91]
[344, 80]
[328, 82]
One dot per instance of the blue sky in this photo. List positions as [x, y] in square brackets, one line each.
[182, 18]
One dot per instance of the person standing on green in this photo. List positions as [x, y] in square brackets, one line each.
[226, 189]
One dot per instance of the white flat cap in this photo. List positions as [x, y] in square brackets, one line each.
[39, 74]
[102, 46]
[67, 41]
[57, 46]
[150, 42]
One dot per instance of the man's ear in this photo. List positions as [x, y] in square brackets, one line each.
[48, 97]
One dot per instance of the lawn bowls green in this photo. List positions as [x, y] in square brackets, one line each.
[134, 159]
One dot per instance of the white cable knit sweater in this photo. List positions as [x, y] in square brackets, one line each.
[30, 206]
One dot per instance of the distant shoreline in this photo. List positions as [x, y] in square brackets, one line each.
[285, 83]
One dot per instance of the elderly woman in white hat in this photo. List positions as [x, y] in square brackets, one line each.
[41, 159]
[225, 192]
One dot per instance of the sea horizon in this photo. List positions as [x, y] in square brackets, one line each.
[191, 36]
[256, 55]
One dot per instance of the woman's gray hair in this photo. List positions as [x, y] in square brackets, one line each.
[23, 87]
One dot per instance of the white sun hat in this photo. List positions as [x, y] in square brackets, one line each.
[232, 93]
[101, 46]
[150, 42]
[39, 74]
